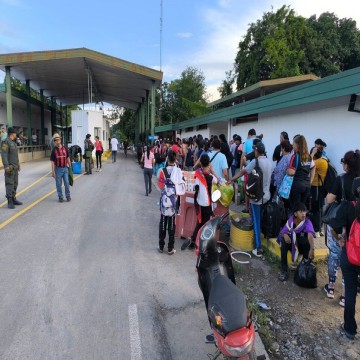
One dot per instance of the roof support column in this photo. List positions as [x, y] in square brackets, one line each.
[42, 117]
[53, 115]
[137, 126]
[143, 131]
[28, 112]
[9, 109]
[147, 114]
[153, 108]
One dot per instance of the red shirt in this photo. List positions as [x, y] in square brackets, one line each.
[59, 156]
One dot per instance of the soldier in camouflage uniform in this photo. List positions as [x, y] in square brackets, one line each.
[10, 160]
[88, 148]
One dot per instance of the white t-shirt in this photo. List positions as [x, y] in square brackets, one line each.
[114, 144]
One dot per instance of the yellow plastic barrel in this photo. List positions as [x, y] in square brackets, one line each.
[240, 239]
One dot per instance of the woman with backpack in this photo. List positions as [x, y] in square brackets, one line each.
[351, 271]
[302, 168]
[317, 193]
[341, 189]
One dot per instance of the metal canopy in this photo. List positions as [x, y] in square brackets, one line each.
[71, 76]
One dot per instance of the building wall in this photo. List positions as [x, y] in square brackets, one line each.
[20, 121]
[330, 121]
[88, 122]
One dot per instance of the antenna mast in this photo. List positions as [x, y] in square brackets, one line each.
[161, 30]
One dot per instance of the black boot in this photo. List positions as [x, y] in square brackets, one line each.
[16, 202]
[11, 203]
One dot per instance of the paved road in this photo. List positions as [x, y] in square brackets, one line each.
[83, 280]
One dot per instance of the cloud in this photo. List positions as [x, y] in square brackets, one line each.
[223, 25]
[184, 35]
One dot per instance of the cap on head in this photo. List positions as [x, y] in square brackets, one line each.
[259, 147]
[11, 130]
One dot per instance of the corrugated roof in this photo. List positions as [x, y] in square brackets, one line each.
[64, 75]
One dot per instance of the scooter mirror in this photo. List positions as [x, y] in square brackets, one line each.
[215, 196]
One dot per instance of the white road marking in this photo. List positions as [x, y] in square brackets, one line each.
[135, 343]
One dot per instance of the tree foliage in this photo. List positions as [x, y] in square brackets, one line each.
[183, 98]
[282, 44]
[125, 128]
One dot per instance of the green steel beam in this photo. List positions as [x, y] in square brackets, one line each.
[28, 113]
[9, 109]
[342, 84]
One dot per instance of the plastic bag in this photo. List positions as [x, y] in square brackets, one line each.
[305, 274]
[227, 193]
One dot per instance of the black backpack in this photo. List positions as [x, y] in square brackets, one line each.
[330, 178]
[189, 161]
[254, 186]
[237, 157]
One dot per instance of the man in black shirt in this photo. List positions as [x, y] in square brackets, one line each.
[277, 152]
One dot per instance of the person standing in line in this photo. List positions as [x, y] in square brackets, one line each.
[167, 220]
[88, 148]
[204, 178]
[60, 163]
[302, 168]
[277, 151]
[3, 134]
[148, 159]
[351, 272]
[114, 148]
[218, 161]
[265, 166]
[10, 160]
[99, 151]
[247, 149]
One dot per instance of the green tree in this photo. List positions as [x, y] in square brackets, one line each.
[183, 98]
[226, 87]
[282, 44]
[333, 44]
[126, 125]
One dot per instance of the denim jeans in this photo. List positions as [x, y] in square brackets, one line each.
[62, 174]
[334, 256]
[147, 178]
[350, 273]
[256, 215]
[113, 156]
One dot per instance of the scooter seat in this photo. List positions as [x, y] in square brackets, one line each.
[227, 309]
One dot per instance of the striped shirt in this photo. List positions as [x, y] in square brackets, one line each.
[59, 156]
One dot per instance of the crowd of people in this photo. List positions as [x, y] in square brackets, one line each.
[215, 159]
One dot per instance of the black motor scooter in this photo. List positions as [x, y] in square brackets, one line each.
[230, 320]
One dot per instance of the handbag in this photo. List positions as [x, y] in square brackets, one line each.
[335, 215]
[286, 184]
[305, 274]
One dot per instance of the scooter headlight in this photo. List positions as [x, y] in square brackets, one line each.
[239, 351]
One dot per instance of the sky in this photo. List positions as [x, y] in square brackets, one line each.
[200, 33]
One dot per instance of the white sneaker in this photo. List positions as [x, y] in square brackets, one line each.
[317, 234]
[258, 252]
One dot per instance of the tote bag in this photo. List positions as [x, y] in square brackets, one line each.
[286, 184]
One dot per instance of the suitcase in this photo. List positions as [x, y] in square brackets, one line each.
[271, 219]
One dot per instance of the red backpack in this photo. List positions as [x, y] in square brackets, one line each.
[353, 244]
